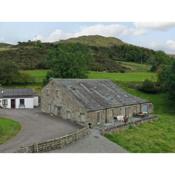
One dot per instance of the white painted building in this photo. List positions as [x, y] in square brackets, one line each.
[18, 98]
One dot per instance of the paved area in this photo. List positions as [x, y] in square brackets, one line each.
[93, 143]
[36, 127]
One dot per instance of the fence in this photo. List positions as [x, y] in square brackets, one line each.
[56, 143]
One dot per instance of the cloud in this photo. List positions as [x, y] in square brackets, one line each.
[171, 45]
[54, 36]
[106, 30]
[162, 26]
[168, 46]
[115, 30]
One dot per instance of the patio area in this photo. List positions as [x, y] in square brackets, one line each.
[118, 125]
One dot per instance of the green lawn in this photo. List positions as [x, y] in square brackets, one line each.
[8, 129]
[126, 77]
[155, 137]
[38, 75]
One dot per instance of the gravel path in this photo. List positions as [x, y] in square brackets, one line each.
[93, 143]
[36, 127]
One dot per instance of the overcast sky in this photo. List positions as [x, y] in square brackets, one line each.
[158, 36]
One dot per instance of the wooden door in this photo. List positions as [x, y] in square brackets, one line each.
[13, 103]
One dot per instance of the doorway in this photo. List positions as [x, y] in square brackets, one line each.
[106, 116]
[144, 108]
[13, 103]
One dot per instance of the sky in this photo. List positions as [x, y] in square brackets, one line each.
[154, 35]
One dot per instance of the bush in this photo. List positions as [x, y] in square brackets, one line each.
[149, 87]
[166, 78]
[9, 72]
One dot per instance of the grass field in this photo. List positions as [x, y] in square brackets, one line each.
[154, 137]
[135, 67]
[158, 136]
[38, 75]
[124, 77]
[8, 129]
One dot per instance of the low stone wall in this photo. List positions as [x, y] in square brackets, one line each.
[56, 143]
[118, 128]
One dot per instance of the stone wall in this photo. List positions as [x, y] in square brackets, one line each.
[57, 100]
[120, 127]
[101, 117]
[56, 143]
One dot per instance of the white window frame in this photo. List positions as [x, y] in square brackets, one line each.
[4, 102]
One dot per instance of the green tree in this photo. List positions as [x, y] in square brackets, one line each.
[69, 61]
[167, 79]
[159, 59]
[9, 73]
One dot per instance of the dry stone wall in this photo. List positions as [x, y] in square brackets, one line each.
[56, 143]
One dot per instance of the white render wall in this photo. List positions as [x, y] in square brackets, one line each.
[29, 102]
[36, 101]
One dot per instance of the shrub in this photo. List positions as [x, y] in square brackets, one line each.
[149, 87]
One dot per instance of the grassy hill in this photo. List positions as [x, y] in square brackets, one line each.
[135, 67]
[109, 53]
[5, 46]
[95, 40]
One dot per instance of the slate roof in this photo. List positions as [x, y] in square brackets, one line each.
[11, 93]
[96, 94]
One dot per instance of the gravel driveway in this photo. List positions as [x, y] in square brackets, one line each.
[36, 127]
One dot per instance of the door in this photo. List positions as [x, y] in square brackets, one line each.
[145, 108]
[13, 104]
[57, 111]
[106, 117]
[68, 115]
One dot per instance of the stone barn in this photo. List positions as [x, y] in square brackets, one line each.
[90, 102]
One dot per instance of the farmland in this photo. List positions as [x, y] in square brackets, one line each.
[154, 137]
[39, 75]
[157, 136]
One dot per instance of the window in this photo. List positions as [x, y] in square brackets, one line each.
[49, 108]
[68, 114]
[144, 108]
[47, 91]
[98, 117]
[57, 92]
[82, 117]
[21, 102]
[4, 102]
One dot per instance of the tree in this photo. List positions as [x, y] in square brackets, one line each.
[167, 79]
[159, 59]
[9, 73]
[68, 61]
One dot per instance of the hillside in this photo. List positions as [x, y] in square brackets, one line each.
[94, 40]
[173, 56]
[106, 51]
[5, 46]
